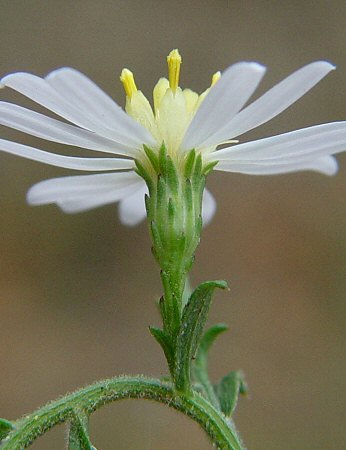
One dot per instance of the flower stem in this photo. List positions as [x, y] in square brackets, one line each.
[219, 428]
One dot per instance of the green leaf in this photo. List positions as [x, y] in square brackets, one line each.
[207, 341]
[193, 320]
[200, 364]
[228, 390]
[5, 428]
[78, 433]
[165, 343]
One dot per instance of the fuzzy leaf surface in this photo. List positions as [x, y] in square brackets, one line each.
[193, 321]
[163, 339]
[200, 364]
[228, 390]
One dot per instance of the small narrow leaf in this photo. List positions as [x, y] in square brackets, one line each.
[192, 324]
[228, 390]
[78, 433]
[5, 428]
[201, 361]
[200, 365]
[165, 343]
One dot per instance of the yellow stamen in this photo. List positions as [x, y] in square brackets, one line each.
[215, 78]
[128, 81]
[174, 63]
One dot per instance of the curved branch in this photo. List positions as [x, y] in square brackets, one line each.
[219, 428]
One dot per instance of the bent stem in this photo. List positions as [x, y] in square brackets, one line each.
[87, 400]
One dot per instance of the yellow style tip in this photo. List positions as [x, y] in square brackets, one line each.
[174, 63]
[128, 82]
[174, 54]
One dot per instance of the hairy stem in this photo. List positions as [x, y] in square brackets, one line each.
[91, 398]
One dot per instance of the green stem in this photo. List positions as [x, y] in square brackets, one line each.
[91, 398]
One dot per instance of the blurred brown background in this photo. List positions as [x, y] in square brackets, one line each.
[77, 292]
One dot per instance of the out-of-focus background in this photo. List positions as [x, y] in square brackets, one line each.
[77, 293]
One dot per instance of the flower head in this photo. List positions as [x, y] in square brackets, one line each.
[179, 118]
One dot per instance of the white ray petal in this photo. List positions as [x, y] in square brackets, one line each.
[312, 142]
[74, 206]
[85, 203]
[208, 207]
[132, 208]
[67, 189]
[44, 127]
[43, 93]
[224, 100]
[67, 162]
[273, 102]
[326, 165]
[85, 94]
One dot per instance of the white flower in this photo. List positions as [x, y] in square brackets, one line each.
[182, 119]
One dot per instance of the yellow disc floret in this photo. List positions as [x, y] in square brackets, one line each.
[173, 107]
[174, 63]
[159, 91]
